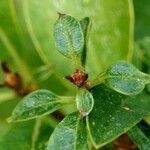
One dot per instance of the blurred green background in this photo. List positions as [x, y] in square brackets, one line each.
[27, 45]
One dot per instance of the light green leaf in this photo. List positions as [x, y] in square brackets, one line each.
[37, 103]
[114, 114]
[68, 35]
[85, 25]
[110, 37]
[84, 101]
[125, 78]
[140, 135]
[70, 134]
[18, 137]
[25, 136]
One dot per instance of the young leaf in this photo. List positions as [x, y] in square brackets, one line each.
[114, 114]
[85, 25]
[140, 135]
[125, 78]
[68, 36]
[84, 101]
[70, 134]
[37, 103]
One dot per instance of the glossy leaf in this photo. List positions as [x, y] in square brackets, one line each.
[114, 114]
[68, 35]
[38, 103]
[140, 135]
[84, 101]
[70, 134]
[85, 25]
[125, 78]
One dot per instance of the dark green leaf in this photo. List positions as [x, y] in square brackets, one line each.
[84, 101]
[85, 25]
[114, 114]
[141, 55]
[142, 15]
[70, 134]
[68, 36]
[140, 135]
[38, 103]
[125, 78]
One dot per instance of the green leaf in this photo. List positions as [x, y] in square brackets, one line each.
[140, 135]
[142, 15]
[85, 25]
[110, 37]
[25, 136]
[37, 103]
[141, 56]
[114, 114]
[70, 134]
[68, 35]
[125, 78]
[19, 136]
[84, 101]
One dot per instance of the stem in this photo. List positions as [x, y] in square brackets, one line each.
[35, 134]
[146, 78]
[12, 51]
[35, 41]
[77, 63]
[131, 30]
[99, 79]
[66, 99]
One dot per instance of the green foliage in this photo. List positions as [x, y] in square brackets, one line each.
[140, 134]
[40, 102]
[101, 109]
[18, 137]
[70, 134]
[26, 135]
[125, 78]
[114, 114]
[85, 25]
[84, 101]
[68, 36]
